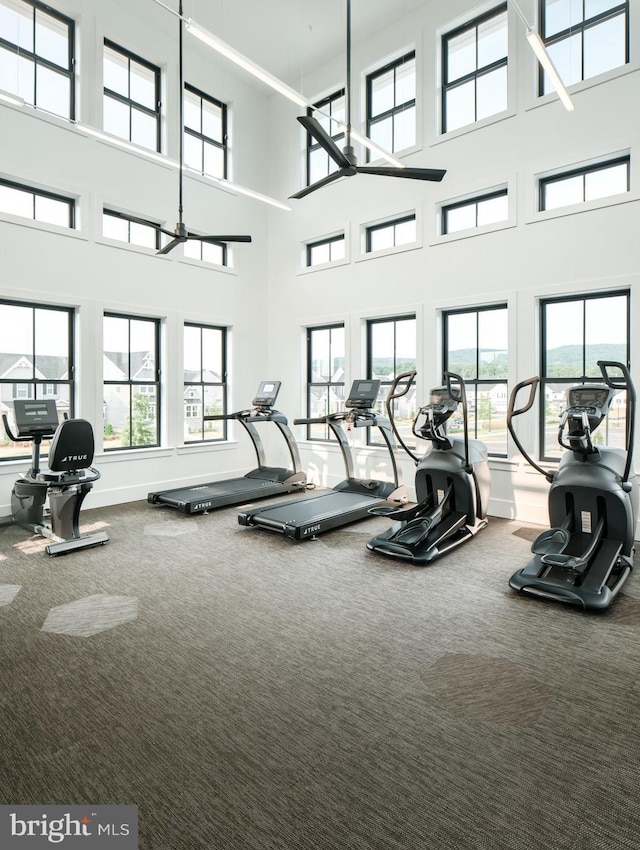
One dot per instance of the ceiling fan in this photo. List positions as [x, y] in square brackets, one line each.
[181, 234]
[345, 159]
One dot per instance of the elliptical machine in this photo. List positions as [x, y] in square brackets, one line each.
[66, 483]
[586, 555]
[452, 480]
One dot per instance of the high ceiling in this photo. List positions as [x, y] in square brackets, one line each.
[290, 37]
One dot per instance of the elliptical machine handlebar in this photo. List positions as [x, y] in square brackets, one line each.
[408, 379]
[512, 411]
[623, 383]
[460, 395]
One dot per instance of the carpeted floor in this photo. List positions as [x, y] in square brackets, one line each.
[252, 693]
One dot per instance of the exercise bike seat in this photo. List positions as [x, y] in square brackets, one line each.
[550, 542]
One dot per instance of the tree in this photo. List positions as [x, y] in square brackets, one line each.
[140, 425]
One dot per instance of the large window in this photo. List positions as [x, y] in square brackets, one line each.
[475, 212]
[391, 104]
[584, 38]
[122, 228]
[205, 133]
[37, 361]
[319, 163]
[585, 184]
[391, 350]
[131, 392]
[576, 332]
[325, 250]
[131, 97]
[205, 382]
[36, 55]
[325, 376]
[476, 348]
[391, 234]
[475, 70]
[36, 204]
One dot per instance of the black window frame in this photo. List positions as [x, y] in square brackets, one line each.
[477, 199]
[35, 383]
[225, 253]
[328, 384]
[373, 437]
[42, 193]
[318, 243]
[476, 382]
[396, 109]
[202, 137]
[133, 383]
[37, 60]
[134, 220]
[387, 225]
[133, 104]
[581, 27]
[582, 172]
[326, 105]
[545, 380]
[472, 75]
[203, 384]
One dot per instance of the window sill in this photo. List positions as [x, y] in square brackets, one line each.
[471, 128]
[386, 252]
[205, 448]
[203, 264]
[583, 85]
[589, 206]
[113, 455]
[323, 266]
[445, 238]
[72, 233]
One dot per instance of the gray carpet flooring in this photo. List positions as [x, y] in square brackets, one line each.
[247, 692]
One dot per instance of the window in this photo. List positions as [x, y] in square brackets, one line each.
[325, 250]
[585, 184]
[319, 163]
[391, 350]
[325, 376]
[391, 104]
[123, 228]
[36, 361]
[476, 348]
[584, 38]
[205, 133]
[131, 97]
[576, 333]
[475, 70]
[36, 204]
[217, 253]
[131, 358]
[205, 382]
[36, 56]
[485, 209]
[391, 234]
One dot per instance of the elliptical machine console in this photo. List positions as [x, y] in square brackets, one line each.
[66, 483]
[452, 480]
[586, 555]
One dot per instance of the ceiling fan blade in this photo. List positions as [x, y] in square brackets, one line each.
[219, 238]
[341, 172]
[435, 174]
[171, 245]
[315, 129]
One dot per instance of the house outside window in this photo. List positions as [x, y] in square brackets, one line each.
[319, 163]
[205, 382]
[581, 185]
[37, 360]
[131, 104]
[476, 347]
[37, 56]
[584, 38]
[576, 332]
[205, 133]
[36, 204]
[131, 391]
[474, 70]
[391, 104]
[325, 376]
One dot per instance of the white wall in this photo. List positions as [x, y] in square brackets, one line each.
[266, 300]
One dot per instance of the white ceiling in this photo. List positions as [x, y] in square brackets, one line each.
[290, 37]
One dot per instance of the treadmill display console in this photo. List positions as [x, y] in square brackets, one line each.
[267, 394]
[363, 395]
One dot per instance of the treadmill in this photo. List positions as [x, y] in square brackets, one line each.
[351, 499]
[259, 483]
